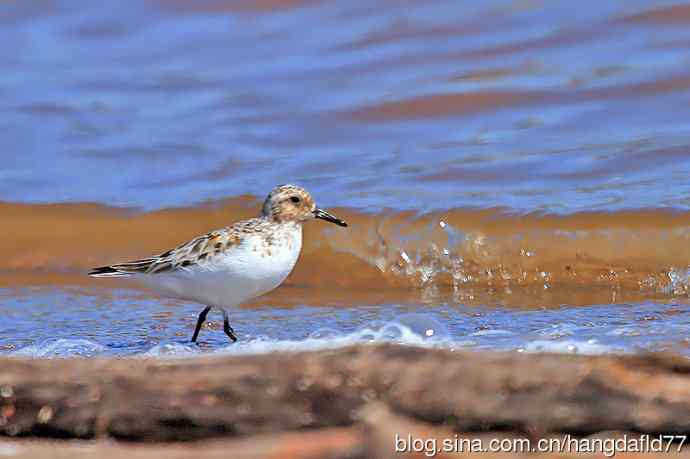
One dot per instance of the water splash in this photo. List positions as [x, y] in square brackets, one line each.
[424, 256]
[679, 282]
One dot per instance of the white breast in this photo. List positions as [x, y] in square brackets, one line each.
[252, 268]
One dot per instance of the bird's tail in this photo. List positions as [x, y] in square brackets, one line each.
[122, 269]
[107, 271]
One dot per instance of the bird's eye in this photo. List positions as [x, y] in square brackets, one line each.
[295, 199]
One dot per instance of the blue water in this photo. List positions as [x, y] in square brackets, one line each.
[131, 324]
[499, 104]
[377, 108]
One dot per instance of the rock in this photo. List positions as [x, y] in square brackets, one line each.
[341, 443]
[198, 398]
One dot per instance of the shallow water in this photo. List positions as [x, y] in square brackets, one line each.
[508, 167]
[52, 321]
[129, 324]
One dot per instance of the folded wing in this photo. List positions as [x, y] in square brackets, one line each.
[198, 250]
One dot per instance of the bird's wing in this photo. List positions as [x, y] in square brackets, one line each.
[199, 250]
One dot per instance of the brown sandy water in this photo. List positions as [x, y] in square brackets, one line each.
[640, 253]
[508, 168]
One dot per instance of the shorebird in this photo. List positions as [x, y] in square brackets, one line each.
[229, 266]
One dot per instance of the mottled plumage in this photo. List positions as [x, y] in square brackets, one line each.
[231, 265]
[200, 250]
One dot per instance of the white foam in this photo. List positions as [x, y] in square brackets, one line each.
[411, 329]
[590, 347]
[163, 350]
[559, 330]
[492, 332]
[61, 348]
[391, 332]
[624, 331]
[429, 332]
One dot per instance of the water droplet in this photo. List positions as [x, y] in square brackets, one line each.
[424, 325]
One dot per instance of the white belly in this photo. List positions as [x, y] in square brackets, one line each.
[242, 273]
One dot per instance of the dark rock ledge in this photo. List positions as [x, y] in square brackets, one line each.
[348, 402]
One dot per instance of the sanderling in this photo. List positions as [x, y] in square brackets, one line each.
[229, 266]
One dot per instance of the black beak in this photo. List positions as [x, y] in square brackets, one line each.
[323, 215]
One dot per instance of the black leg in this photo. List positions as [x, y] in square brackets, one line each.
[226, 324]
[227, 328]
[200, 321]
